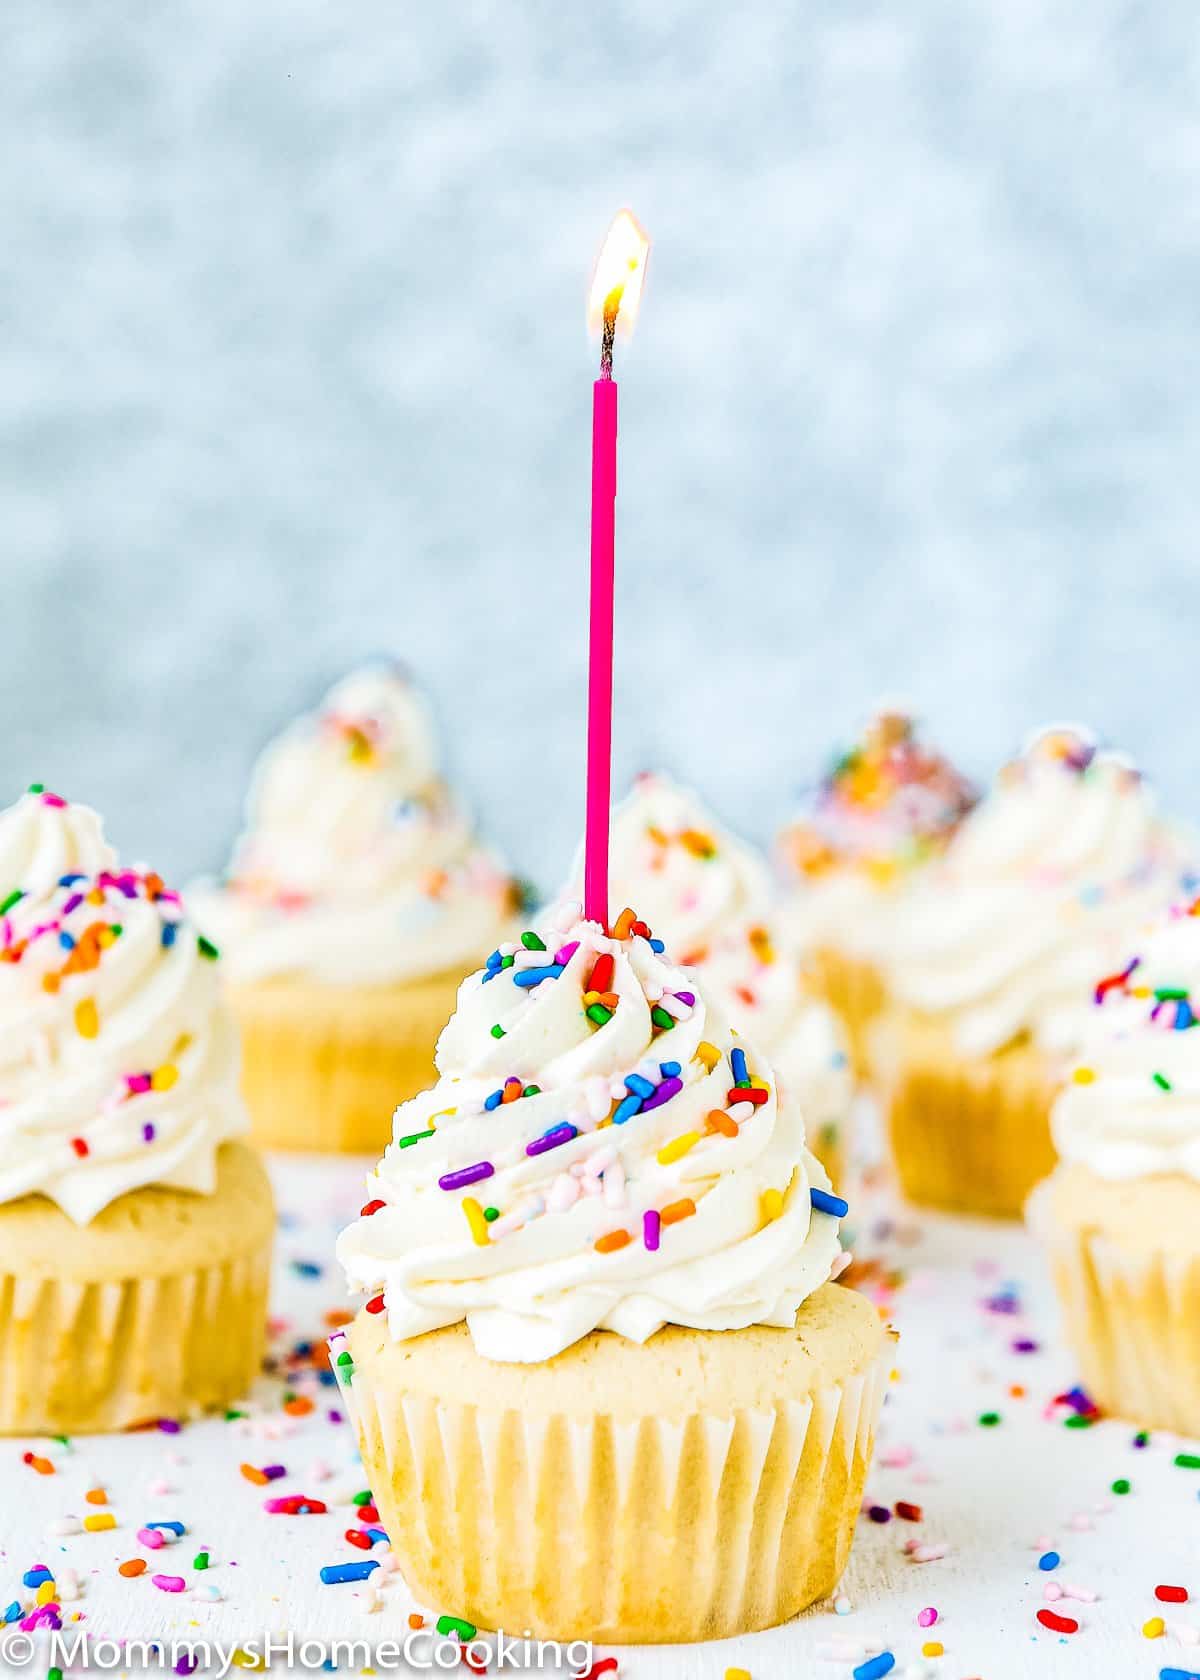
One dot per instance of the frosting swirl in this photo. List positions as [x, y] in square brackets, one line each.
[118, 1063]
[1132, 1106]
[599, 1152]
[1042, 886]
[357, 866]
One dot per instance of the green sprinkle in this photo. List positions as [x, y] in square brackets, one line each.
[447, 1625]
[115, 929]
[205, 947]
[363, 1498]
[1187, 1461]
[597, 1012]
[54, 1673]
[497, 1031]
[989, 1420]
[233, 1415]
[14, 897]
[660, 1017]
[1161, 1080]
[413, 1137]
[1120, 1485]
[532, 1091]
[37, 787]
[507, 962]
[345, 1359]
[1170, 994]
[200, 1561]
[1142, 1438]
[491, 1213]
[1078, 1420]
[531, 942]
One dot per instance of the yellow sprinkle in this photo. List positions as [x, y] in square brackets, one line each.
[677, 1148]
[101, 1521]
[1140, 991]
[590, 998]
[1083, 1076]
[1154, 1628]
[475, 1219]
[164, 1077]
[933, 1648]
[772, 1204]
[47, 1592]
[737, 1674]
[106, 937]
[87, 1022]
[708, 1054]
[248, 1659]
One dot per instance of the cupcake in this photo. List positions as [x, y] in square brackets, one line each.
[135, 1225]
[356, 901]
[991, 962]
[884, 812]
[602, 1385]
[710, 895]
[1120, 1215]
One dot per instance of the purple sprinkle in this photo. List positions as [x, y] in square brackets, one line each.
[687, 997]
[663, 1093]
[651, 1228]
[565, 952]
[1024, 1346]
[72, 903]
[169, 1426]
[879, 1514]
[273, 1471]
[556, 1136]
[148, 1133]
[466, 1175]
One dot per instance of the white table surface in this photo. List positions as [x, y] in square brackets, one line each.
[995, 1497]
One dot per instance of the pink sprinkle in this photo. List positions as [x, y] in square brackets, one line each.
[927, 1554]
[1083, 1595]
[54, 800]
[1052, 1592]
[926, 1617]
[150, 1537]
[896, 1458]
[169, 1583]
[566, 952]
[137, 1083]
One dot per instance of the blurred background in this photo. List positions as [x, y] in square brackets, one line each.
[293, 370]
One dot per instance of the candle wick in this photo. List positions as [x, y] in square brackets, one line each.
[612, 306]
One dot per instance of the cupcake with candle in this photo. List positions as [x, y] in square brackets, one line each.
[1120, 1215]
[884, 812]
[135, 1224]
[709, 894]
[991, 963]
[602, 1385]
[356, 901]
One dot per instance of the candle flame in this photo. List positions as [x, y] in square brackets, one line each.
[617, 280]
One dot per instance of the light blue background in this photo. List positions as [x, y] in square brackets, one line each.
[293, 369]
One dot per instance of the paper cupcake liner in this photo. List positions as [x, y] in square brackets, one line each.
[324, 1067]
[82, 1354]
[648, 1531]
[854, 990]
[967, 1135]
[1132, 1319]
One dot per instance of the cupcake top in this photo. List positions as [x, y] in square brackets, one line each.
[887, 806]
[600, 1152]
[118, 1062]
[357, 866]
[709, 894]
[1132, 1106]
[1043, 885]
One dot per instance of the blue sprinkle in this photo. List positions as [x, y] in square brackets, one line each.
[876, 1668]
[494, 1101]
[175, 1528]
[169, 930]
[642, 1087]
[626, 1110]
[490, 974]
[1049, 1560]
[13, 1613]
[69, 880]
[35, 1577]
[669, 1070]
[535, 976]
[66, 941]
[302, 1268]
[375, 1535]
[657, 945]
[825, 1203]
[737, 1061]
[333, 1574]
[494, 960]
[1178, 1674]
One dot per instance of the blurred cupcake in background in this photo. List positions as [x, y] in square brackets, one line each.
[136, 1225]
[991, 965]
[886, 810]
[356, 901]
[710, 895]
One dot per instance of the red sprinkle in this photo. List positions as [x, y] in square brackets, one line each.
[368, 1514]
[375, 1306]
[1057, 1624]
[362, 1541]
[79, 1145]
[1171, 1595]
[371, 1207]
[606, 1665]
[746, 1093]
[601, 977]
[910, 1513]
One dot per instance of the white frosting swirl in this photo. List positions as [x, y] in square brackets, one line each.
[118, 1062]
[357, 866]
[596, 1227]
[1041, 888]
[1132, 1106]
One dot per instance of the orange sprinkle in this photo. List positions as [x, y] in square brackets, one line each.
[718, 1121]
[299, 1406]
[623, 924]
[338, 1317]
[252, 1474]
[96, 1496]
[1017, 1392]
[512, 1090]
[613, 1240]
[132, 1567]
[415, 1621]
[675, 1211]
[43, 1466]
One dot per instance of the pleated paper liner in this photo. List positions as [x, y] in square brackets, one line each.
[854, 989]
[324, 1067]
[1131, 1313]
[968, 1134]
[156, 1309]
[583, 1523]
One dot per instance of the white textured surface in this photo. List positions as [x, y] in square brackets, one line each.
[990, 1495]
[292, 368]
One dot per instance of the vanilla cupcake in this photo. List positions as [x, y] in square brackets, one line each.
[990, 966]
[1121, 1213]
[135, 1225]
[355, 902]
[709, 894]
[886, 810]
[602, 1386]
